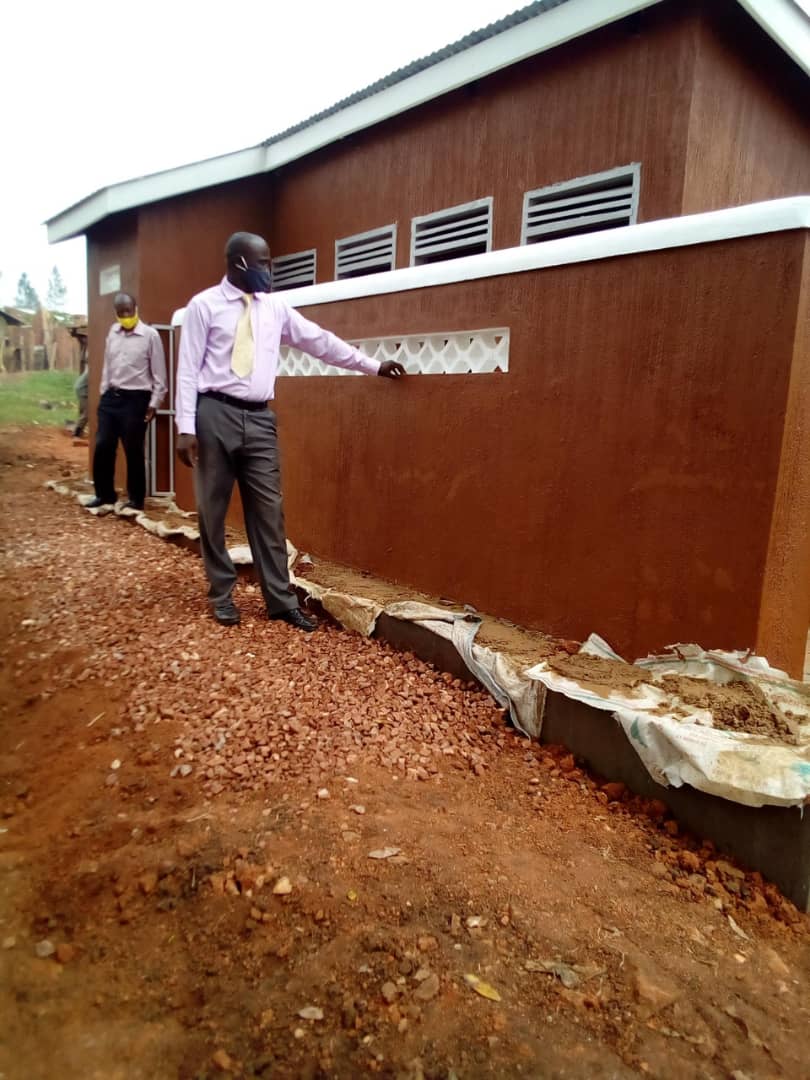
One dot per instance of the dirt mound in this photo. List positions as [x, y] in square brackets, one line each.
[735, 706]
[599, 675]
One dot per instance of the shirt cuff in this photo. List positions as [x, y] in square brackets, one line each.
[186, 427]
[367, 365]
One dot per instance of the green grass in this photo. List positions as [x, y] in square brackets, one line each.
[21, 394]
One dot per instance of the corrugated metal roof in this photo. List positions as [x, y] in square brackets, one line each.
[12, 316]
[475, 38]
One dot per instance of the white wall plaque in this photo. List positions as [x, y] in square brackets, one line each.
[109, 280]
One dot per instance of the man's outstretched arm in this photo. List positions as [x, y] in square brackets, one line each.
[306, 335]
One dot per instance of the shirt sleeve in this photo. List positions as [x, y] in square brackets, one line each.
[193, 344]
[105, 368]
[303, 334]
[157, 367]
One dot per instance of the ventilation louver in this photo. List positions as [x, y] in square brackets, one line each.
[592, 203]
[452, 233]
[366, 253]
[293, 271]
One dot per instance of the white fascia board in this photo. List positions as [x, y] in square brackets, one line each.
[148, 189]
[787, 24]
[777, 215]
[545, 31]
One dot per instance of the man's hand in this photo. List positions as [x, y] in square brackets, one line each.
[391, 369]
[150, 415]
[187, 449]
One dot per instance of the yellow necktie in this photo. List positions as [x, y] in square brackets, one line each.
[244, 349]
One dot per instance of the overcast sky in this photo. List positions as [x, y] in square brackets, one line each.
[94, 93]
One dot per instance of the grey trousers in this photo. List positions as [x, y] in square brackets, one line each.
[236, 445]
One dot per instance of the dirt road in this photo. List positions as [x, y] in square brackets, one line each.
[187, 887]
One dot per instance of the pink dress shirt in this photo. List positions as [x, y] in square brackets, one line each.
[134, 360]
[206, 344]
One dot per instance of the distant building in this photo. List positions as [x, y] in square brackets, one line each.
[18, 341]
[592, 218]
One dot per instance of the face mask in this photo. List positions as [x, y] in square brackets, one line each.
[129, 322]
[256, 279]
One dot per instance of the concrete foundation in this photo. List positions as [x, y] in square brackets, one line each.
[771, 839]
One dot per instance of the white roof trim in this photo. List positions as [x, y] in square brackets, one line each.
[147, 189]
[777, 215]
[545, 31]
[786, 23]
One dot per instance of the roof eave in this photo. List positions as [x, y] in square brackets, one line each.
[783, 20]
[545, 31]
[153, 188]
[787, 24]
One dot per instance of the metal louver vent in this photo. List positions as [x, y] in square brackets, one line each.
[292, 271]
[366, 253]
[603, 201]
[452, 233]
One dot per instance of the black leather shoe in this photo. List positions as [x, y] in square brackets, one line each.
[96, 502]
[227, 614]
[296, 618]
[132, 506]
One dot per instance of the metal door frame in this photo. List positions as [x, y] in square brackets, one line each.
[169, 411]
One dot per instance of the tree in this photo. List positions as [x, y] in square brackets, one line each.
[27, 296]
[57, 291]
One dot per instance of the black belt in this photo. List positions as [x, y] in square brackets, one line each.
[238, 403]
[118, 391]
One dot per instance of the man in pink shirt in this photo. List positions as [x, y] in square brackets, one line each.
[225, 378]
[133, 385]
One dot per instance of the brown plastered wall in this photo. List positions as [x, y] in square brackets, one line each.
[749, 130]
[620, 478]
[617, 96]
[182, 240]
[785, 610]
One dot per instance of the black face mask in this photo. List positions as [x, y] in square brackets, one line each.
[255, 278]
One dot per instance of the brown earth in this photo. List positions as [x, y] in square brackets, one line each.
[617, 946]
[600, 675]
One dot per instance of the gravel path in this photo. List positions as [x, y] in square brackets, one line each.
[253, 852]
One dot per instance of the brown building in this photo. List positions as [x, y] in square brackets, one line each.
[591, 219]
[18, 342]
[37, 341]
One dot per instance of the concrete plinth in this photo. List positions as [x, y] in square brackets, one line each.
[771, 839]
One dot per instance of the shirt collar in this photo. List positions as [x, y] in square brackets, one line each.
[138, 329]
[230, 291]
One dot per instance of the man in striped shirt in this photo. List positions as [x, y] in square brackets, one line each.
[133, 385]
